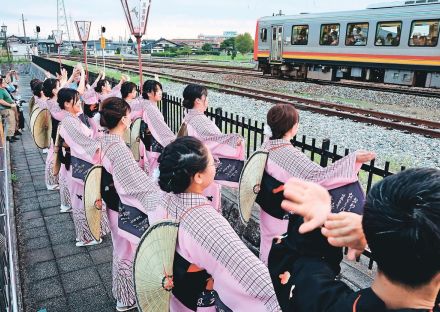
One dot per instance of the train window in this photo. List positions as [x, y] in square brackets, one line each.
[357, 34]
[263, 34]
[300, 34]
[329, 34]
[424, 33]
[388, 33]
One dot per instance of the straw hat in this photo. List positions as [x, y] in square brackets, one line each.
[153, 266]
[135, 138]
[92, 200]
[41, 127]
[250, 181]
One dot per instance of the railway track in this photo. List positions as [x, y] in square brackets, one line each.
[427, 128]
[227, 70]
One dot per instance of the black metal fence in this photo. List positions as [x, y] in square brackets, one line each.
[253, 132]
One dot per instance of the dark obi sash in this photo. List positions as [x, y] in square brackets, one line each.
[348, 198]
[80, 168]
[132, 220]
[150, 143]
[229, 170]
[108, 191]
[190, 287]
[268, 201]
[55, 124]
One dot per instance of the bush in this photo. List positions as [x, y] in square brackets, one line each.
[164, 54]
[206, 52]
[75, 52]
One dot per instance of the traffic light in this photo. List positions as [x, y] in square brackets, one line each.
[38, 29]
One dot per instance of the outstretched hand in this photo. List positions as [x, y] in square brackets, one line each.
[309, 200]
[344, 229]
[364, 156]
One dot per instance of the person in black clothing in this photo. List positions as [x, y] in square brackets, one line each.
[401, 223]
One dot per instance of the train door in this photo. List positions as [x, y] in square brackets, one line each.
[276, 51]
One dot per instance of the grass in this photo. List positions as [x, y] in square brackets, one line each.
[14, 177]
[223, 57]
[4, 60]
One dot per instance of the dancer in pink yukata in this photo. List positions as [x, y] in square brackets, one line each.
[104, 89]
[76, 132]
[156, 133]
[286, 161]
[197, 124]
[129, 193]
[212, 267]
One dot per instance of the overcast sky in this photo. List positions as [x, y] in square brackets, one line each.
[168, 18]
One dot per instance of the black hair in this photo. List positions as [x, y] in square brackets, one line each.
[150, 86]
[112, 111]
[179, 162]
[37, 88]
[191, 93]
[101, 83]
[48, 86]
[402, 226]
[126, 88]
[67, 95]
[34, 82]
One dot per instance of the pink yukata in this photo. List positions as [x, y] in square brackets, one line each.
[84, 154]
[116, 92]
[286, 161]
[206, 239]
[138, 195]
[160, 132]
[49, 177]
[221, 146]
[136, 111]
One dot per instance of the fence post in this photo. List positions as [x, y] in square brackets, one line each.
[325, 148]
[165, 107]
[218, 117]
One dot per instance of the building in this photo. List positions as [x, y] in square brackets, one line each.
[213, 40]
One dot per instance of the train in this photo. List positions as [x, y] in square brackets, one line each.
[392, 43]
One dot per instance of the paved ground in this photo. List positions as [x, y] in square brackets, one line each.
[56, 275]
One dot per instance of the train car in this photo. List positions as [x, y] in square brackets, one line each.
[394, 43]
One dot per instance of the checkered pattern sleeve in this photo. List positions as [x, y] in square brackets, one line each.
[134, 181]
[160, 130]
[79, 138]
[300, 166]
[208, 131]
[218, 241]
[55, 110]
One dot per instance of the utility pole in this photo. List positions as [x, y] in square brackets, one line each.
[24, 27]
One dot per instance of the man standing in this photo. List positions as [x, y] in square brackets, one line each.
[7, 106]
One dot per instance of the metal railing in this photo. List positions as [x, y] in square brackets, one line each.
[8, 249]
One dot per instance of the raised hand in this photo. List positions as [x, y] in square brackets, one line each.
[344, 229]
[364, 156]
[309, 200]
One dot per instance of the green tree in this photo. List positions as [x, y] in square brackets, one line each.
[228, 45]
[233, 54]
[244, 43]
[130, 40]
[75, 52]
[118, 51]
[185, 50]
[207, 47]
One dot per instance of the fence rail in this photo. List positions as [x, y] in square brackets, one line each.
[8, 277]
[253, 132]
